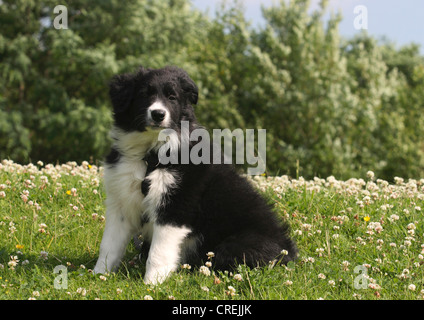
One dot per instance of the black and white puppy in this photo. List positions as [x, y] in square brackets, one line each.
[183, 211]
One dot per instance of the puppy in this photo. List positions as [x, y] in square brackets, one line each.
[182, 210]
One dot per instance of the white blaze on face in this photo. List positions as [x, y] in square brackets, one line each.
[157, 105]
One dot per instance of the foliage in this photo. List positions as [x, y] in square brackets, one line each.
[331, 106]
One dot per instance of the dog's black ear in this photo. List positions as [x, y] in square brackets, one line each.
[190, 88]
[121, 89]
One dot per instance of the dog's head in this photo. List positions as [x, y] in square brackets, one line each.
[153, 98]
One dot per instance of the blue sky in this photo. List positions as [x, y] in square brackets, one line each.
[400, 21]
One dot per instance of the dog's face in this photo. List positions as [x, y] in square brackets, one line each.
[153, 98]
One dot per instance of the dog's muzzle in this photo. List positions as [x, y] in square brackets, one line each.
[158, 115]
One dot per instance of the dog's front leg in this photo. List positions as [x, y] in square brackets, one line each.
[114, 242]
[165, 252]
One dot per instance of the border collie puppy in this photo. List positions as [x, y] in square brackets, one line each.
[183, 211]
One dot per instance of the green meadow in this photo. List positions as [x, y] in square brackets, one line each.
[357, 239]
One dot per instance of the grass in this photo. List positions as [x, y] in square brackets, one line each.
[358, 239]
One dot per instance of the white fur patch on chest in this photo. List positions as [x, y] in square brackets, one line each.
[123, 180]
[161, 181]
[123, 189]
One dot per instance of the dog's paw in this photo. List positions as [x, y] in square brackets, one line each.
[155, 276]
[99, 270]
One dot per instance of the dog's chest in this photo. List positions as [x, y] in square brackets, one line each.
[123, 184]
[160, 181]
[123, 188]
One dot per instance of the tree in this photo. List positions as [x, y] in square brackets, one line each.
[54, 94]
[330, 106]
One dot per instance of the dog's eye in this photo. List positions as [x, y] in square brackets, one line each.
[172, 98]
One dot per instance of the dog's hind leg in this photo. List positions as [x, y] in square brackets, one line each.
[250, 249]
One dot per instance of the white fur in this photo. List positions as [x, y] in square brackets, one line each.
[161, 180]
[165, 252]
[134, 145]
[126, 206]
[124, 197]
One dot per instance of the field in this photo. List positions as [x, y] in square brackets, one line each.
[358, 239]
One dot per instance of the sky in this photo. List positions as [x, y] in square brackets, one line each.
[400, 21]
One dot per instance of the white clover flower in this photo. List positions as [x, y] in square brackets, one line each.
[238, 277]
[370, 175]
[306, 226]
[81, 291]
[204, 288]
[13, 262]
[411, 226]
[374, 286]
[205, 270]
[320, 251]
[310, 259]
[398, 180]
[44, 255]
[231, 291]
[412, 287]
[42, 228]
[393, 217]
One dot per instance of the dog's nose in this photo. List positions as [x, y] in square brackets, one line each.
[158, 115]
